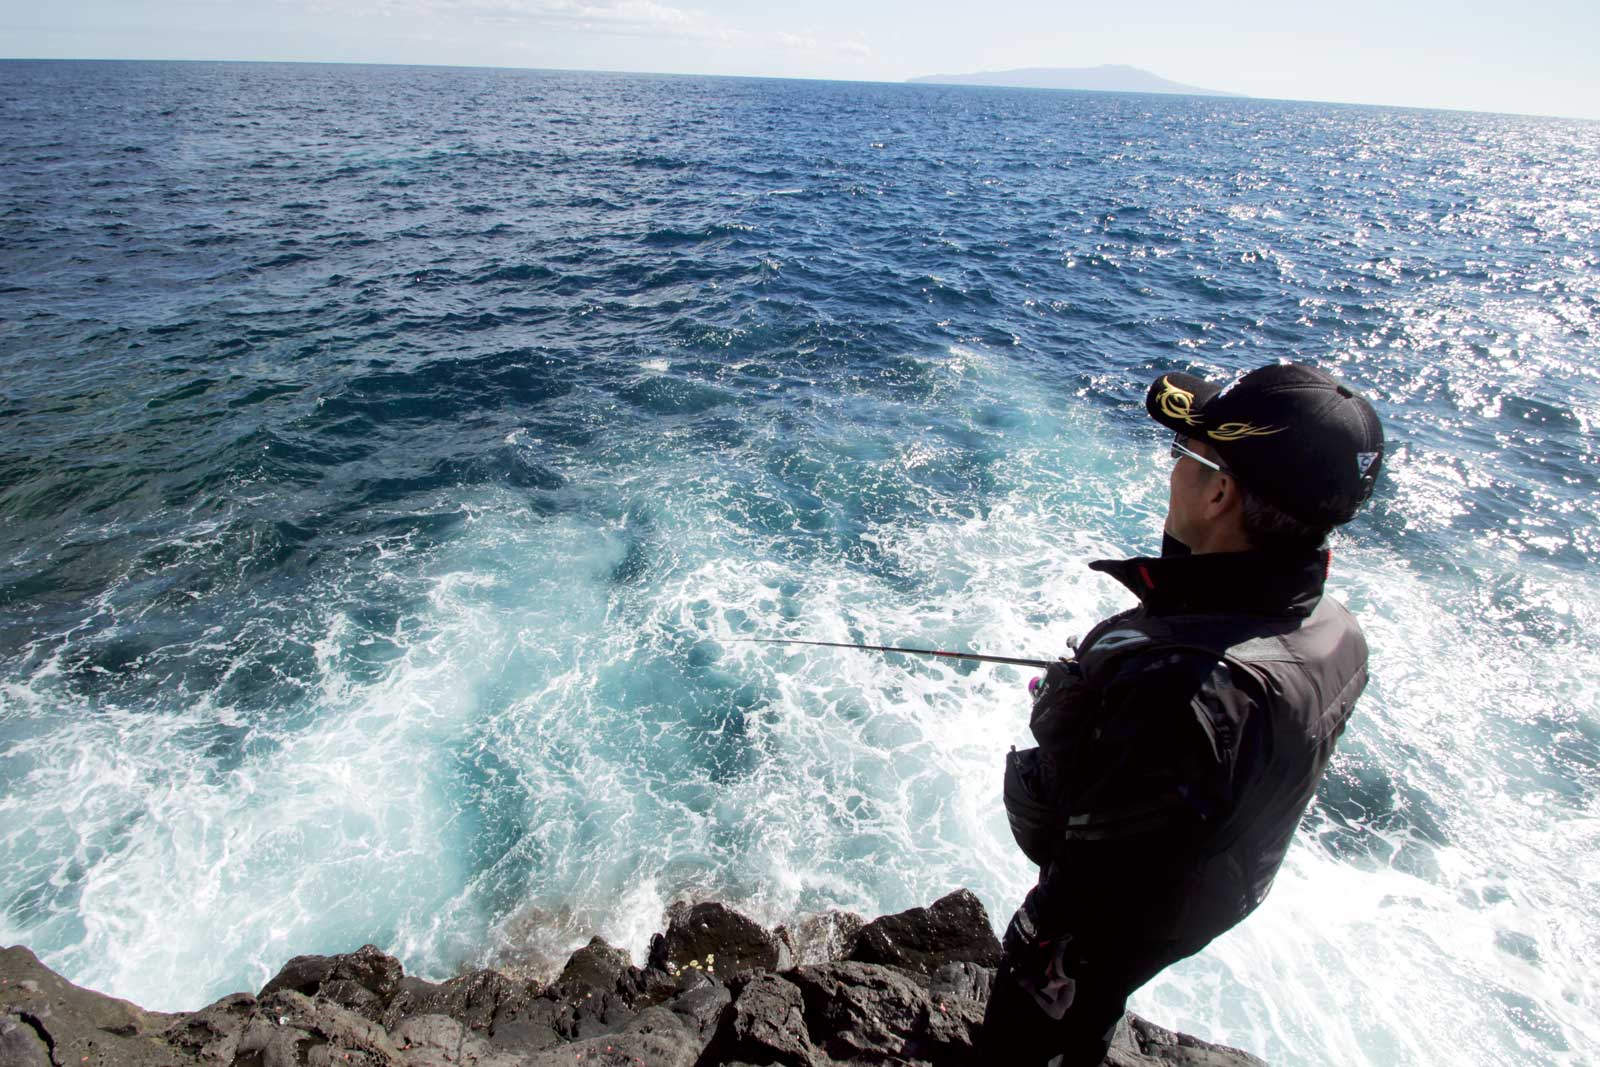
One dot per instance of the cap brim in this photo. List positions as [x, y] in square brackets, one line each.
[1175, 401]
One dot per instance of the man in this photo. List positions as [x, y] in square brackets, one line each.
[1180, 746]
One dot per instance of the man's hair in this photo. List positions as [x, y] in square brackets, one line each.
[1269, 529]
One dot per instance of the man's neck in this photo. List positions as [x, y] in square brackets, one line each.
[1219, 538]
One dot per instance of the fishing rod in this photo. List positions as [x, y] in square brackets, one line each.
[1014, 661]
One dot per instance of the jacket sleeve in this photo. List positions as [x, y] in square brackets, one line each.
[1137, 789]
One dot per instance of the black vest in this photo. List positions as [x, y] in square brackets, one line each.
[1299, 661]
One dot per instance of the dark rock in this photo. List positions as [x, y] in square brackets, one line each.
[212, 1034]
[954, 929]
[962, 981]
[650, 986]
[656, 1038]
[918, 1002]
[354, 996]
[561, 1013]
[598, 992]
[1140, 1043]
[597, 966]
[424, 1040]
[572, 1010]
[959, 993]
[952, 1034]
[303, 974]
[414, 997]
[717, 939]
[440, 1041]
[699, 1004]
[870, 1012]
[76, 1026]
[822, 938]
[20, 1043]
[531, 1026]
[472, 999]
[598, 1013]
[363, 981]
[290, 1028]
[765, 1024]
[864, 1010]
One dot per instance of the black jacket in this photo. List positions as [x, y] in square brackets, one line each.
[1179, 749]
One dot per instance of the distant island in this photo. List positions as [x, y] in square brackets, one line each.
[1111, 78]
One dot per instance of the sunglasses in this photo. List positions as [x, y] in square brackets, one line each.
[1180, 448]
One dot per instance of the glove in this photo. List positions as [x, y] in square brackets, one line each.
[1036, 683]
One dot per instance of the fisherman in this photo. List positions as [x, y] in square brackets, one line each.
[1181, 744]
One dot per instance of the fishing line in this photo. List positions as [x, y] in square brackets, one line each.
[974, 656]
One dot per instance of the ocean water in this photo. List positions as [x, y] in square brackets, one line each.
[389, 455]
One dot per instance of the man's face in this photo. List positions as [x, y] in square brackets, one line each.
[1191, 487]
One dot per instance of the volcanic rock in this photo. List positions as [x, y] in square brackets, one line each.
[211, 1035]
[699, 1003]
[473, 999]
[871, 1012]
[822, 938]
[766, 1023]
[596, 966]
[719, 991]
[1141, 1043]
[954, 929]
[292, 1028]
[717, 939]
[74, 1025]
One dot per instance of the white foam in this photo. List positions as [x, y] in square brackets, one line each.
[565, 743]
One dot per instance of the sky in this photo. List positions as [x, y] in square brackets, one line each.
[1534, 57]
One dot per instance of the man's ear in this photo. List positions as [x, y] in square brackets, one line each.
[1224, 495]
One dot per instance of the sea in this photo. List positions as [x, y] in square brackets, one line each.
[396, 462]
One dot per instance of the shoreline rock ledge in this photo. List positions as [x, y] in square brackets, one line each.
[718, 990]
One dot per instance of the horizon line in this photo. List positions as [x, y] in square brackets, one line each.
[1212, 95]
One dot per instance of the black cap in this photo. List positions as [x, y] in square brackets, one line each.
[1299, 439]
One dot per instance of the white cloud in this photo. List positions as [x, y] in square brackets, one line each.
[645, 19]
[799, 42]
[815, 42]
[640, 18]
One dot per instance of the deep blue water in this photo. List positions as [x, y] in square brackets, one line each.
[388, 452]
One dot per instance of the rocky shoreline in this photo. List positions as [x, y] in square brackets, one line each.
[718, 990]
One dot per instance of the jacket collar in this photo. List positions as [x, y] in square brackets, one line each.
[1254, 583]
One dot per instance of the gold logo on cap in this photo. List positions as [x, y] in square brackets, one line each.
[1233, 431]
[1176, 403]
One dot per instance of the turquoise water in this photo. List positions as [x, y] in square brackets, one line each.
[391, 453]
